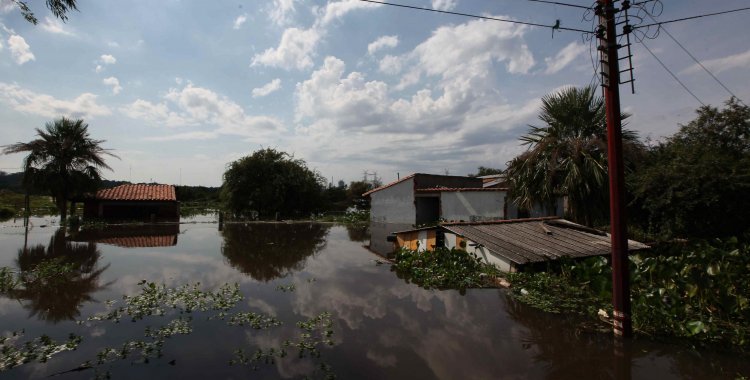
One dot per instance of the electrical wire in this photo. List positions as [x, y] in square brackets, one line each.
[559, 3]
[691, 18]
[697, 61]
[477, 16]
[672, 74]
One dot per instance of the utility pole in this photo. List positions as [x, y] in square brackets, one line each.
[607, 34]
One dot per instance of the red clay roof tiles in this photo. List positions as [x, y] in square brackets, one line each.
[138, 192]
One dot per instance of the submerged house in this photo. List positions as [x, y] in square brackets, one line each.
[426, 198]
[512, 244]
[131, 235]
[133, 201]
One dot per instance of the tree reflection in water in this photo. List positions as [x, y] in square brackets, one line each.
[58, 297]
[358, 232]
[267, 251]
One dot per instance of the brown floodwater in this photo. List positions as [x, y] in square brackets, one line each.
[383, 326]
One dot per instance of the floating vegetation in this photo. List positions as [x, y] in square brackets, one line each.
[148, 349]
[696, 291]
[286, 288]
[40, 349]
[158, 299]
[444, 269]
[254, 320]
[8, 280]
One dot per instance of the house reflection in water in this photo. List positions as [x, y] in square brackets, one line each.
[131, 236]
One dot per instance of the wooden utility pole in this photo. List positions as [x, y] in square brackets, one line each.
[618, 230]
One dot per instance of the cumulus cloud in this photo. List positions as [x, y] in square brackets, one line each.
[239, 21]
[382, 43]
[295, 50]
[268, 88]
[115, 83]
[444, 5]
[27, 101]
[19, 49]
[281, 11]
[107, 59]
[297, 46]
[390, 65]
[717, 65]
[198, 106]
[55, 26]
[564, 57]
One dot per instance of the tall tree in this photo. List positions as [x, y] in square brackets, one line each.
[270, 182]
[64, 161]
[696, 183]
[568, 156]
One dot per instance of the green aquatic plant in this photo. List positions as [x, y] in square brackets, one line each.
[39, 349]
[444, 269]
[286, 288]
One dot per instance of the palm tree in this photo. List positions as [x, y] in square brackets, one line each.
[568, 156]
[63, 161]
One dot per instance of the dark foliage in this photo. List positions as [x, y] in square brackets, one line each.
[444, 269]
[483, 171]
[269, 182]
[59, 9]
[696, 183]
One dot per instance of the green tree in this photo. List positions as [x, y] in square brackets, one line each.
[568, 156]
[270, 182]
[355, 191]
[483, 171]
[696, 183]
[64, 161]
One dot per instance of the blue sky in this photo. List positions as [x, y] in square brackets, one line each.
[181, 88]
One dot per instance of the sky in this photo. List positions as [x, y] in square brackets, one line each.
[179, 89]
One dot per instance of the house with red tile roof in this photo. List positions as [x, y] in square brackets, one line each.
[133, 201]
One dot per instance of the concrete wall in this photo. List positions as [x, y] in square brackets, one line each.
[471, 206]
[394, 204]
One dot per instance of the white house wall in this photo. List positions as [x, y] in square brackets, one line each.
[394, 204]
[472, 206]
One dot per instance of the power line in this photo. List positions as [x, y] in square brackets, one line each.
[697, 61]
[672, 74]
[563, 4]
[479, 17]
[691, 18]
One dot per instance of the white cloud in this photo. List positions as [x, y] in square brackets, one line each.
[107, 59]
[717, 65]
[27, 101]
[444, 5]
[295, 50]
[99, 68]
[55, 26]
[281, 11]
[196, 135]
[1, 45]
[19, 49]
[268, 88]
[115, 83]
[198, 106]
[382, 43]
[390, 65]
[297, 46]
[564, 57]
[239, 21]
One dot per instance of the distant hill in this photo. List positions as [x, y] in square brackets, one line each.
[13, 182]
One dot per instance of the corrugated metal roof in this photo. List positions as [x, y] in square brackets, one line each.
[455, 189]
[138, 192]
[524, 241]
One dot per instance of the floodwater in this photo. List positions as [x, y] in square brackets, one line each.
[383, 326]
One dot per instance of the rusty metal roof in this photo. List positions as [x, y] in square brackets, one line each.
[138, 192]
[524, 241]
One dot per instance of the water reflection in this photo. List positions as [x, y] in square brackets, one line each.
[379, 233]
[267, 251]
[358, 232]
[59, 296]
[131, 235]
